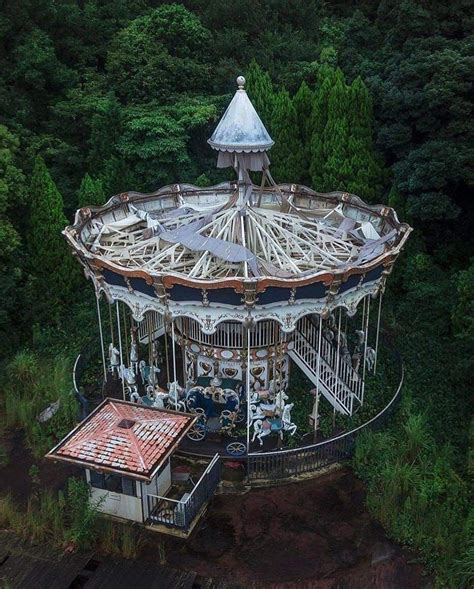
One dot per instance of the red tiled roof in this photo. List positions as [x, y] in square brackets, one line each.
[123, 436]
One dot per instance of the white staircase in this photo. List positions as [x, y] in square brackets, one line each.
[338, 381]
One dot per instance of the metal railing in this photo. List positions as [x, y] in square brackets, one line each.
[345, 372]
[284, 464]
[181, 514]
[152, 326]
[231, 335]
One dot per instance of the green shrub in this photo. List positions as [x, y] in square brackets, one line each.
[30, 386]
[414, 491]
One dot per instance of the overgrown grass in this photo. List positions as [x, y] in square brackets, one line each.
[119, 539]
[69, 519]
[414, 491]
[30, 385]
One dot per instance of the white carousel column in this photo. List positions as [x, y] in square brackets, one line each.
[120, 347]
[378, 331]
[101, 333]
[363, 314]
[167, 359]
[248, 389]
[366, 333]
[338, 357]
[174, 363]
[318, 365]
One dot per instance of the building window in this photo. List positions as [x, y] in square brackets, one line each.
[113, 483]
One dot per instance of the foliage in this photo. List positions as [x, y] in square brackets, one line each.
[90, 192]
[413, 489]
[288, 158]
[128, 92]
[12, 194]
[159, 55]
[30, 386]
[259, 87]
[50, 264]
[120, 539]
[69, 518]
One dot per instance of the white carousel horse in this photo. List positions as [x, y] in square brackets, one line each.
[114, 360]
[346, 355]
[356, 357]
[370, 358]
[148, 373]
[256, 412]
[128, 376]
[155, 353]
[142, 369]
[134, 356]
[288, 425]
[360, 338]
[135, 398]
[174, 397]
[280, 399]
[263, 427]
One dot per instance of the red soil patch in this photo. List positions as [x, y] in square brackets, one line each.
[314, 534]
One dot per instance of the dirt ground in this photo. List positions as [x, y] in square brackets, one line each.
[315, 534]
[15, 478]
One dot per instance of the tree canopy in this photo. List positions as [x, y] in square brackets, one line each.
[102, 96]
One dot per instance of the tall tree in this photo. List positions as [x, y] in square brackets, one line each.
[287, 155]
[12, 192]
[330, 167]
[260, 90]
[318, 122]
[52, 269]
[159, 55]
[303, 103]
[90, 192]
[365, 174]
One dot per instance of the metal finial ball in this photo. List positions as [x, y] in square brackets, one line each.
[241, 82]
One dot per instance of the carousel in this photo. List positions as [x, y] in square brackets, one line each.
[214, 293]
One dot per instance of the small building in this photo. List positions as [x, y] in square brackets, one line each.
[127, 451]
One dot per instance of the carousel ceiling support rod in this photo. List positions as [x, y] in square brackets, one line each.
[111, 323]
[378, 331]
[248, 388]
[366, 334]
[120, 348]
[338, 358]
[174, 364]
[318, 363]
[125, 331]
[102, 349]
[242, 225]
[165, 337]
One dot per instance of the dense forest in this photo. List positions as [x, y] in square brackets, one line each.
[373, 97]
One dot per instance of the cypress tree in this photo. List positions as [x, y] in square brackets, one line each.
[317, 124]
[303, 103]
[336, 168]
[366, 170]
[260, 90]
[50, 263]
[287, 155]
[90, 192]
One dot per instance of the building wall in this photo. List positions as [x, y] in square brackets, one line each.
[160, 485]
[117, 504]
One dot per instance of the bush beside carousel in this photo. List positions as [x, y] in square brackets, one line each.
[238, 314]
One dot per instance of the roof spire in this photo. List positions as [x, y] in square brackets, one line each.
[240, 130]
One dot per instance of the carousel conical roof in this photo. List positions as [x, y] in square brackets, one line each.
[241, 129]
